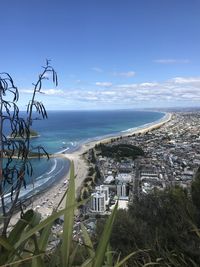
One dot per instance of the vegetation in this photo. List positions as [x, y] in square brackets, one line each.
[121, 150]
[12, 176]
[32, 134]
[195, 191]
[91, 171]
[27, 243]
[163, 225]
[159, 229]
[31, 154]
[92, 156]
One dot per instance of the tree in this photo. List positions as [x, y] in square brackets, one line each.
[195, 189]
[14, 152]
[160, 222]
[195, 192]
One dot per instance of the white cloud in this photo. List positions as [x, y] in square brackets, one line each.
[136, 86]
[172, 61]
[176, 89]
[106, 95]
[26, 91]
[148, 84]
[46, 92]
[130, 86]
[52, 92]
[104, 84]
[127, 74]
[190, 80]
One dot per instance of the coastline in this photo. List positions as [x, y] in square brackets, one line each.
[141, 129]
[48, 199]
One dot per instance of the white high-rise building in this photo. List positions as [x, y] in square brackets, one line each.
[122, 190]
[98, 203]
[103, 189]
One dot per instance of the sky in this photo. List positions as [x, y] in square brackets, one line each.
[108, 54]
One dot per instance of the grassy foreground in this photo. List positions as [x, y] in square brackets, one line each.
[27, 243]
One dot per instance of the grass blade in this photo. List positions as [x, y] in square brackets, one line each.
[87, 263]
[151, 264]
[87, 241]
[19, 261]
[38, 261]
[73, 254]
[20, 226]
[102, 246]
[61, 200]
[109, 256]
[43, 240]
[6, 244]
[68, 219]
[46, 222]
[126, 258]
[6, 250]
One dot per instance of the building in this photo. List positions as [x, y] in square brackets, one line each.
[98, 203]
[122, 190]
[109, 179]
[104, 189]
[124, 177]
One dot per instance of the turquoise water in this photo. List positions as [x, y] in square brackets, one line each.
[67, 130]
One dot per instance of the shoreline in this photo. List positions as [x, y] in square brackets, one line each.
[141, 129]
[46, 200]
[114, 135]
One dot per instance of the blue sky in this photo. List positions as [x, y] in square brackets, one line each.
[108, 54]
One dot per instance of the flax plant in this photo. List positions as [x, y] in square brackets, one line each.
[15, 148]
[27, 243]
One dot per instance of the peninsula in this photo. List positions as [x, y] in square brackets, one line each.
[33, 134]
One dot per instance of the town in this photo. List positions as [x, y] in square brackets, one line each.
[167, 156]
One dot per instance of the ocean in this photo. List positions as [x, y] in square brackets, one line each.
[65, 131]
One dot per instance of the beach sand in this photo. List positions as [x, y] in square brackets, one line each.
[46, 201]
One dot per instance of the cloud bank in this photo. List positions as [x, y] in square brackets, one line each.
[105, 94]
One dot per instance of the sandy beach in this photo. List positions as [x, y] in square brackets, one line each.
[46, 201]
